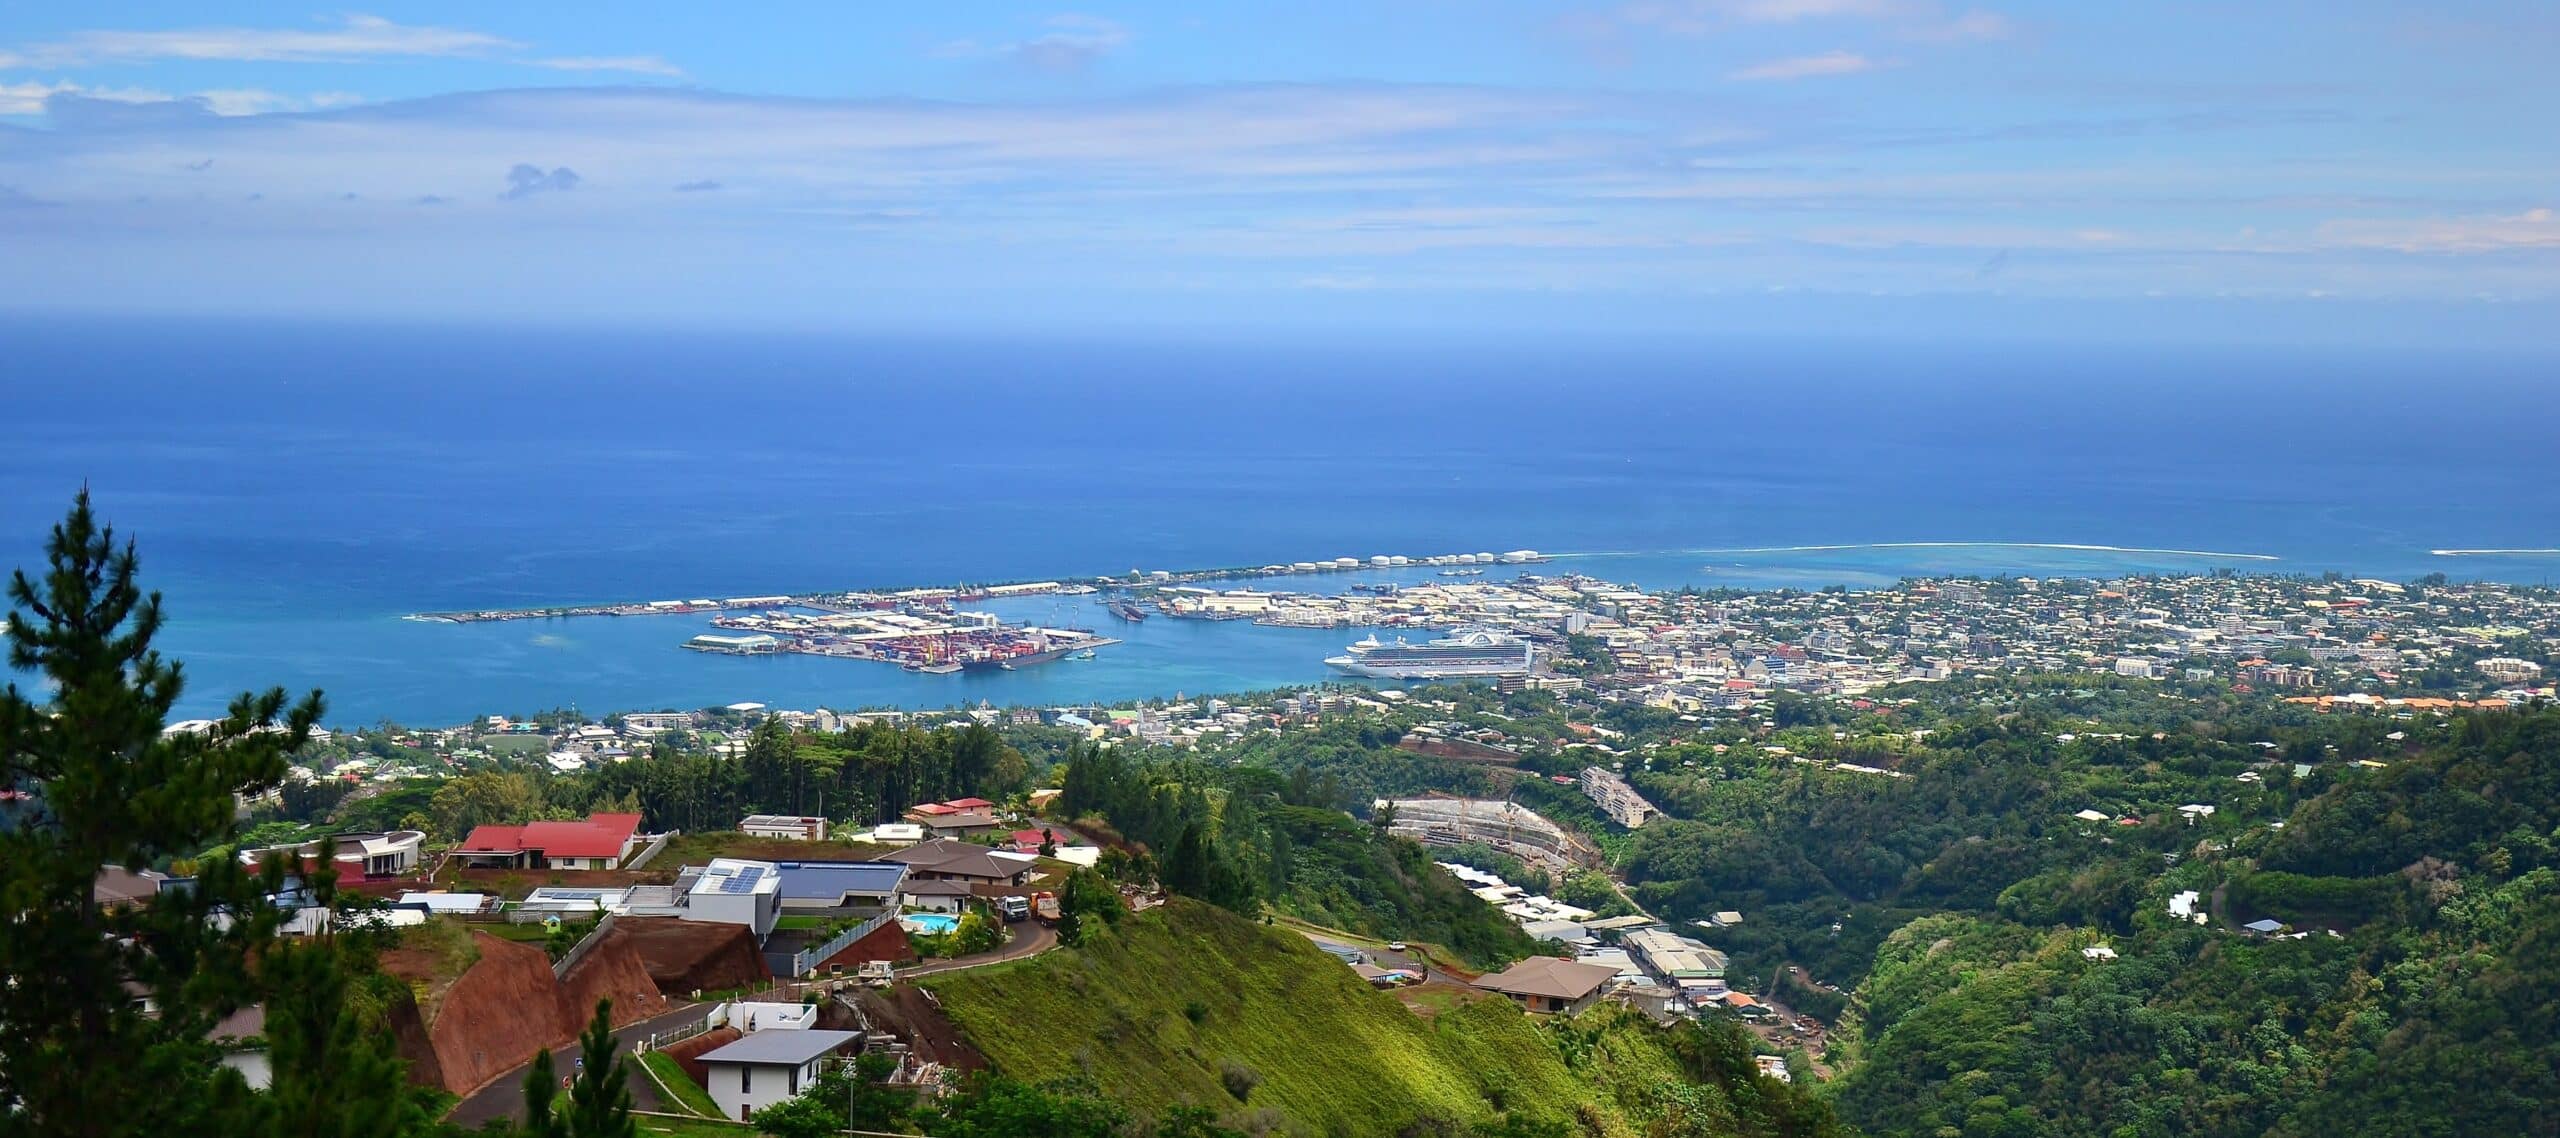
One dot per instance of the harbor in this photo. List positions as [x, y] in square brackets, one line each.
[934, 642]
[923, 630]
[1459, 563]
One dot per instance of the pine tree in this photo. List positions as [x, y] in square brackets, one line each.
[599, 1102]
[109, 789]
[334, 1075]
[541, 1091]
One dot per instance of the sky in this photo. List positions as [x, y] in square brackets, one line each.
[2335, 170]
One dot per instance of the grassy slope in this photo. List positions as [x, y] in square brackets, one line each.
[1334, 1056]
[671, 1078]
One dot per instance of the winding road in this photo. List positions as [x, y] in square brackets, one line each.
[504, 1097]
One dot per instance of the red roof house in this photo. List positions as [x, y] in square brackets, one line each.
[602, 841]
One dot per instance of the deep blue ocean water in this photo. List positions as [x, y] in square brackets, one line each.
[296, 489]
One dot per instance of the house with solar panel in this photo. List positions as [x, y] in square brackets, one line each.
[839, 887]
[731, 891]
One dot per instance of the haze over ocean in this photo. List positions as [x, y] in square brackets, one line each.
[297, 488]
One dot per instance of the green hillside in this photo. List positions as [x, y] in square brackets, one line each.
[1190, 1004]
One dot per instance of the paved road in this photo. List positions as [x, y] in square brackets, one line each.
[1383, 957]
[1030, 938]
[505, 1097]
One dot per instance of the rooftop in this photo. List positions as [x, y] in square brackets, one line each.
[600, 835]
[780, 1048]
[734, 876]
[833, 880]
[1549, 977]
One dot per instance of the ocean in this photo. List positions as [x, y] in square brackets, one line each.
[296, 489]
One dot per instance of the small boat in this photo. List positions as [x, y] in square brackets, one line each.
[1086, 654]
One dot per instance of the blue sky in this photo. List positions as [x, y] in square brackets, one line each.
[2320, 168]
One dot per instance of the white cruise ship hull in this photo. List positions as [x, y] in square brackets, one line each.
[1419, 670]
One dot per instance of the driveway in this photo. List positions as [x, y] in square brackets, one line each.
[1383, 957]
[1030, 938]
[504, 1098]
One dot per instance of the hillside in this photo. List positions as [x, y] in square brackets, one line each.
[1189, 1004]
[2424, 999]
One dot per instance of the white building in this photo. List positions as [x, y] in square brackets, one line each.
[785, 826]
[766, 1067]
[751, 1017]
[730, 891]
[2508, 669]
[1615, 798]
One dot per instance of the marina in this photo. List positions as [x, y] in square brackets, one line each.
[923, 630]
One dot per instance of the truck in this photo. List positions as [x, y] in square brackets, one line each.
[1015, 909]
[1045, 907]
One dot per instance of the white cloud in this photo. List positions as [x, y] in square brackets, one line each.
[28, 98]
[1915, 19]
[1806, 67]
[1790, 11]
[2537, 228]
[1074, 42]
[345, 39]
[1316, 184]
[349, 38]
[633, 64]
[1971, 24]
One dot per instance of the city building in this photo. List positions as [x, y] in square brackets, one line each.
[1678, 961]
[1615, 798]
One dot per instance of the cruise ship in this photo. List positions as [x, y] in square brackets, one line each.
[1469, 652]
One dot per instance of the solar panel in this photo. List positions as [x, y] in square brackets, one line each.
[743, 881]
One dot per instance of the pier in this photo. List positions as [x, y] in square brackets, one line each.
[859, 600]
[923, 630]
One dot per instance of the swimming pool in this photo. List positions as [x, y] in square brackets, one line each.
[936, 923]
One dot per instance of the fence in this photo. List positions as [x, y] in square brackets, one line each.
[579, 951]
[804, 961]
[655, 844]
[678, 1034]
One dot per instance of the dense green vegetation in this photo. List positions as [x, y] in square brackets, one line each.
[1190, 1005]
[1265, 837]
[2425, 998]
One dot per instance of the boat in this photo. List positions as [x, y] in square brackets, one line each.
[1085, 654]
[1462, 572]
[1126, 609]
[1465, 652]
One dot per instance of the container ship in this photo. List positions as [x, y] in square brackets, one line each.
[1467, 652]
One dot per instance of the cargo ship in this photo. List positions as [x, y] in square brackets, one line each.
[1466, 652]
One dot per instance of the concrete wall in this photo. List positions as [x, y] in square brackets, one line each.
[742, 1089]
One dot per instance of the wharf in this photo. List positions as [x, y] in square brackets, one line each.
[847, 601]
